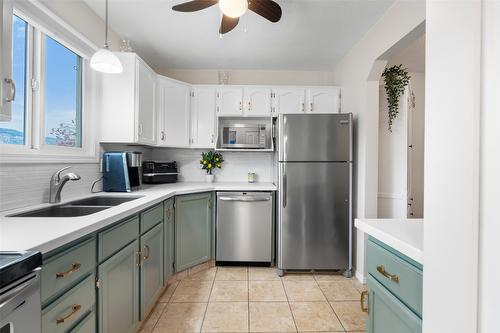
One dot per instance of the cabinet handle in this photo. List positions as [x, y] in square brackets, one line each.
[146, 252]
[303, 107]
[241, 106]
[74, 267]
[249, 106]
[212, 136]
[140, 129]
[12, 90]
[392, 277]
[163, 135]
[311, 107]
[74, 309]
[364, 300]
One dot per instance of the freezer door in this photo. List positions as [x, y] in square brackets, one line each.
[315, 137]
[314, 229]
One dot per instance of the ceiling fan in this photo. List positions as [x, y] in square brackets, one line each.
[233, 9]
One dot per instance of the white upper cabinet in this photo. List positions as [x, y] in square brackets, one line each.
[323, 100]
[230, 101]
[289, 100]
[257, 101]
[173, 113]
[203, 103]
[128, 103]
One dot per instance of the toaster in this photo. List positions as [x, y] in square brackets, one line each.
[154, 172]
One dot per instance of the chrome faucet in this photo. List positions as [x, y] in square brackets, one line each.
[57, 183]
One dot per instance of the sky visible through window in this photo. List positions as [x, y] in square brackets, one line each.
[61, 87]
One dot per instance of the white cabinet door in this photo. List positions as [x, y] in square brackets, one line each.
[145, 104]
[289, 100]
[230, 101]
[323, 100]
[203, 103]
[173, 113]
[257, 101]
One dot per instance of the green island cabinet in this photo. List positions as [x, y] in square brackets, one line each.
[193, 229]
[169, 241]
[394, 291]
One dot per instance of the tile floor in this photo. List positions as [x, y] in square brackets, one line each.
[255, 299]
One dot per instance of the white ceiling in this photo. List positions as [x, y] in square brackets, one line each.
[312, 34]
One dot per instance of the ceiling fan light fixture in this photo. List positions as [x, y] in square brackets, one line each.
[233, 8]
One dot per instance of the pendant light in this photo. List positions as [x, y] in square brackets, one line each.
[233, 8]
[104, 60]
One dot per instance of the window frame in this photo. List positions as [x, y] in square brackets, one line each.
[35, 149]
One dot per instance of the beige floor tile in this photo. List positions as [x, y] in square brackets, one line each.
[303, 291]
[226, 317]
[265, 291]
[192, 291]
[181, 317]
[339, 291]
[298, 277]
[169, 291]
[232, 273]
[350, 315]
[262, 274]
[229, 291]
[358, 285]
[149, 324]
[204, 275]
[271, 317]
[315, 316]
[334, 276]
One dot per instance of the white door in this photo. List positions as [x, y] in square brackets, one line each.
[323, 100]
[289, 100]
[257, 101]
[173, 113]
[145, 104]
[203, 117]
[230, 101]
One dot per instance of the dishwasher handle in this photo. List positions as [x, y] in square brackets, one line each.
[245, 198]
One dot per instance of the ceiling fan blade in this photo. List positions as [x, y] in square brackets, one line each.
[268, 9]
[195, 5]
[227, 24]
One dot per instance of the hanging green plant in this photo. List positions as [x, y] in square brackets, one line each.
[396, 79]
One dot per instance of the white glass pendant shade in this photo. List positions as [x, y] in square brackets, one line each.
[233, 8]
[106, 61]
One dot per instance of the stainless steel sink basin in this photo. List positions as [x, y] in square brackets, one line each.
[103, 201]
[62, 211]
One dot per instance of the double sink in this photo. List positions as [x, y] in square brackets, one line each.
[82, 207]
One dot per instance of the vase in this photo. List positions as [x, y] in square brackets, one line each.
[210, 178]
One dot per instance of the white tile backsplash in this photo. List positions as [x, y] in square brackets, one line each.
[235, 168]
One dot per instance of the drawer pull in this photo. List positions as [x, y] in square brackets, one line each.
[74, 267]
[146, 252]
[74, 309]
[392, 277]
[364, 300]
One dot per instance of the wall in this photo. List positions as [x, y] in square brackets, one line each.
[489, 228]
[16, 180]
[235, 168]
[251, 77]
[358, 74]
[452, 133]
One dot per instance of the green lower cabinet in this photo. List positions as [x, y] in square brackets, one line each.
[87, 325]
[118, 293]
[169, 240]
[151, 267]
[193, 229]
[387, 314]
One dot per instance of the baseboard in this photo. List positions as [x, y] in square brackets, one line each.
[361, 278]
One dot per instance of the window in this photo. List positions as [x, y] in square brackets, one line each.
[63, 95]
[13, 131]
[51, 116]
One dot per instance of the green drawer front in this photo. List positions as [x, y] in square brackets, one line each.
[151, 217]
[63, 270]
[87, 325]
[114, 239]
[408, 288]
[70, 307]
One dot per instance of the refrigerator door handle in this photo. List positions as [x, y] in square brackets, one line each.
[284, 185]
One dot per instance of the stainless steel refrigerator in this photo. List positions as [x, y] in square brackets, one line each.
[315, 192]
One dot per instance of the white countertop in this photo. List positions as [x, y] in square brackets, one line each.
[46, 234]
[403, 235]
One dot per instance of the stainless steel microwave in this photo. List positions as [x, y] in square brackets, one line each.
[243, 135]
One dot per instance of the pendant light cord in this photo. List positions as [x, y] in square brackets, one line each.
[106, 46]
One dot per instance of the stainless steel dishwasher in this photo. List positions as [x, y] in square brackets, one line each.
[244, 227]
